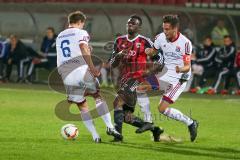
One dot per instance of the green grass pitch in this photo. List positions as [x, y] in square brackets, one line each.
[30, 130]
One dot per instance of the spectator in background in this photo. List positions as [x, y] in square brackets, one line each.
[233, 73]
[16, 56]
[48, 57]
[226, 59]
[206, 58]
[3, 57]
[197, 71]
[48, 47]
[158, 31]
[188, 32]
[218, 33]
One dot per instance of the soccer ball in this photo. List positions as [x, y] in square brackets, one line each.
[69, 131]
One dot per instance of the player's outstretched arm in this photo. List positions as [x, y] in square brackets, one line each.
[87, 57]
[115, 60]
[187, 65]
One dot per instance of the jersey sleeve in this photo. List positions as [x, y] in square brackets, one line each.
[83, 37]
[157, 42]
[149, 43]
[188, 52]
[114, 52]
[188, 48]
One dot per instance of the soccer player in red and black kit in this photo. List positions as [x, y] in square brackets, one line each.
[129, 55]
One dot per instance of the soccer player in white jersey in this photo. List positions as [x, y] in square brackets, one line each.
[176, 49]
[79, 74]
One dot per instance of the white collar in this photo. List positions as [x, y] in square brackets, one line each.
[131, 40]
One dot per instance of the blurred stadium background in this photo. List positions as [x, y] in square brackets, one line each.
[30, 130]
[29, 19]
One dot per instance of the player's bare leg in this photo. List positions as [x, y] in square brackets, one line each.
[87, 120]
[179, 116]
[103, 110]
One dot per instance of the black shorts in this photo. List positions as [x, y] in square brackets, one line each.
[128, 93]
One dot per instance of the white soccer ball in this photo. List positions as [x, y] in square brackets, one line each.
[69, 131]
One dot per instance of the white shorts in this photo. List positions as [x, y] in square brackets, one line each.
[172, 88]
[78, 82]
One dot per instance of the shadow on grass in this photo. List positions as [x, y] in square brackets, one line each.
[217, 149]
[223, 153]
[173, 148]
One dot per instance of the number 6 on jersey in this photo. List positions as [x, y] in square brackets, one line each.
[65, 50]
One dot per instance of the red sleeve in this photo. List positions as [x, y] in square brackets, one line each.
[186, 58]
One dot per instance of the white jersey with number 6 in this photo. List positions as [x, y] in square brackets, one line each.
[72, 67]
[67, 44]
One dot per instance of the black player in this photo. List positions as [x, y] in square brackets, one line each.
[129, 55]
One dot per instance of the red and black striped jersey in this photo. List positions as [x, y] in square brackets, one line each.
[133, 64]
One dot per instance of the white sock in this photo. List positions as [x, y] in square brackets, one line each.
[104, 75]
[88, 122]
[103, 111]
[144, 103]
[177, 115]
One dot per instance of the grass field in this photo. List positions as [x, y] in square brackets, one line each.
[29, 129]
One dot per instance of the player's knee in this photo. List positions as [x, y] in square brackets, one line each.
[161, 109]
[95, 95]
[163, 106]
[83, 107]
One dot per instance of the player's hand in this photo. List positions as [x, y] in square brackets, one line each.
[95, 72]
[10, 61]
[123, 52]
[90, 48]
[178, 69]
[36, 60]
[148, 51]
[44, 55]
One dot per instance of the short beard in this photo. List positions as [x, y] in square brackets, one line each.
[131, 33]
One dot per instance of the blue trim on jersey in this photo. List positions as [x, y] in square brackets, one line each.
[4, 49]
[153, 81]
